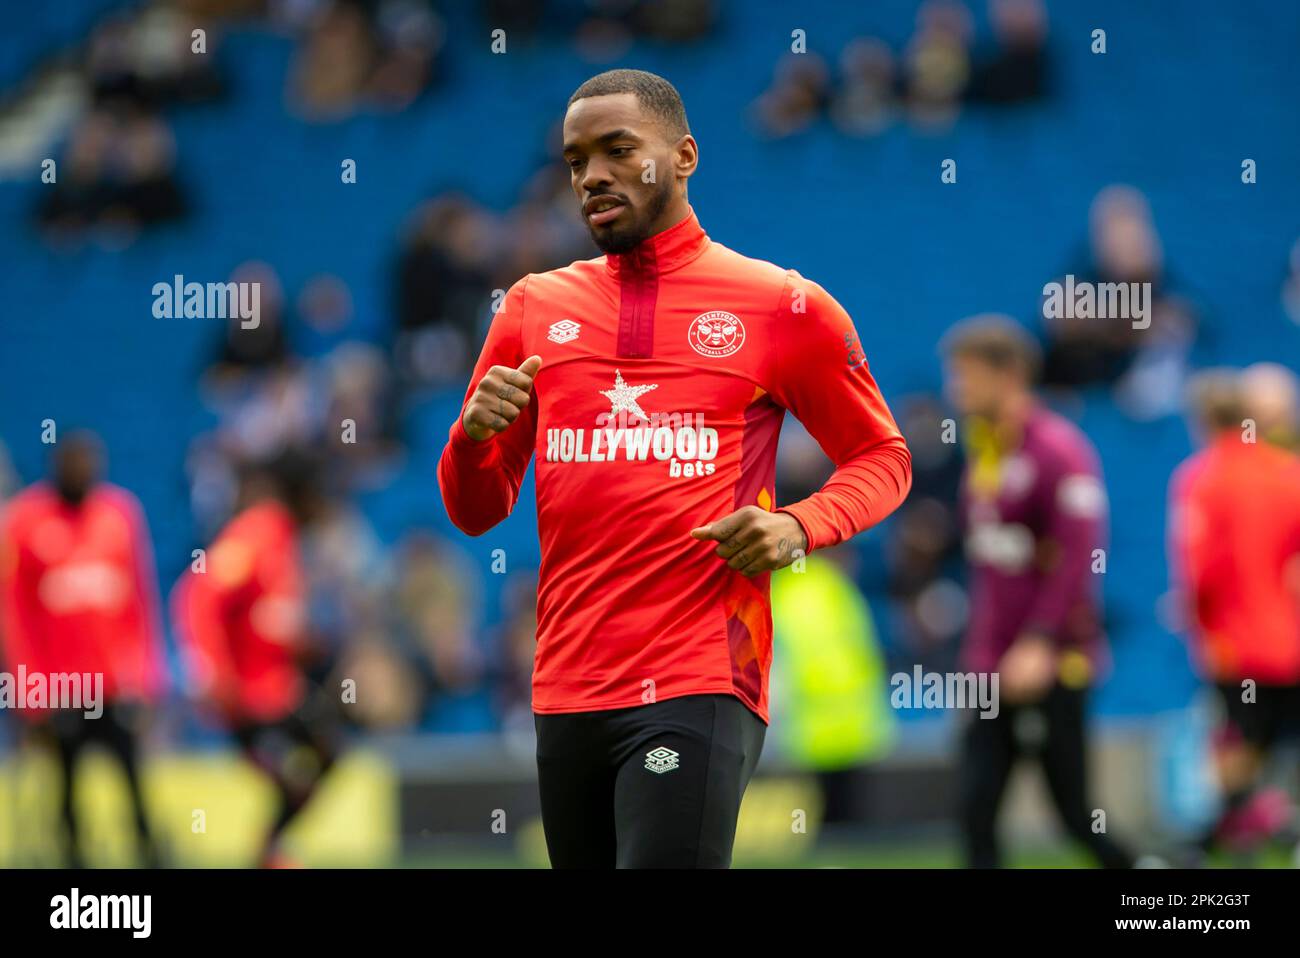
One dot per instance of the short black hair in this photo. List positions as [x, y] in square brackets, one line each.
[655, 94]
[997, 341]
[1217, 400]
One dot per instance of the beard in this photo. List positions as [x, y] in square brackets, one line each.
[639, 228]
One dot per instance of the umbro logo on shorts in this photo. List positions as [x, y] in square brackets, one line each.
[661, 760]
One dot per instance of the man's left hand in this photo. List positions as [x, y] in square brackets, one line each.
[753, 540]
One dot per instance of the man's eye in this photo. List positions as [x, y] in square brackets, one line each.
[620, 150]
[574, 164]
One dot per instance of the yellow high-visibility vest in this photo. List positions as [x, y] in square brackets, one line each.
[830, 694]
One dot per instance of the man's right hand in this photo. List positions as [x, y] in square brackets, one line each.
[502, 394]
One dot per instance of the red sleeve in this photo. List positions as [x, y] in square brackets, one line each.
[480, 480]
[820, 374]
[199, 611]
[18, 630]
[146, 672]
[1196, 552]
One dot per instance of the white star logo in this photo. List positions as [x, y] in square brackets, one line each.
[623, 398]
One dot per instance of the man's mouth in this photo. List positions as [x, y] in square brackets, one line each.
[601, 210]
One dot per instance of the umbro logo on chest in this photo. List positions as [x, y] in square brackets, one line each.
[566, 330]
[715, 334]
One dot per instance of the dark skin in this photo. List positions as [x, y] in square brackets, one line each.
[629, 175]
[77, 466]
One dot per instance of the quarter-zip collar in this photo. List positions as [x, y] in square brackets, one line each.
[637, 272]
[663, 252]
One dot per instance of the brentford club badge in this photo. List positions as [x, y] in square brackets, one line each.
[716, 333]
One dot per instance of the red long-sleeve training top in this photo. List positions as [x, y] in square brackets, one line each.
[666, 373]
[1234, 543]
[77, 590]
[240, 620]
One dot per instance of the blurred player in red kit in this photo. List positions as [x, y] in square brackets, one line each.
[651, 384]
[1234, 539]
[79, 595]
[1034, 510]
[241, 619]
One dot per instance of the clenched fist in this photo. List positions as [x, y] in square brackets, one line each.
[753, 540]
[1027, 669]
[502, 394]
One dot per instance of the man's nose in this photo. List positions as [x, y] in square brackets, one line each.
[595, 176]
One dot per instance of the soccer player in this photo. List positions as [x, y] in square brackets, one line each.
[1234, 536]
[651, 383]
[1034, 511]
[241, 618]
[78, 595]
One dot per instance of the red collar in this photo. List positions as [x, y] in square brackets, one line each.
[663, 252]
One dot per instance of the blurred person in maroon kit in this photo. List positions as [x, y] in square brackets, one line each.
[78, 595]
[1034, 510]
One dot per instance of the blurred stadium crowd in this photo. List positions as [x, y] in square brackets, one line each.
[404, 612]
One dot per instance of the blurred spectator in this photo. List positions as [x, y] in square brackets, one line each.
[256, 348]
[356, 54]
[431, 604]
[388, 693]
[1017, 71]
[147, 57]
[611, 26]
[346, 579]
[865, 104]
[923, 552]
[519, 18]
[333, 63]
[358, 426]
[118, 175]
[673, 21]
[514, 649]
[268, 414]
[1291, 285]
[325, 307]
[118, 170]
[1124, 248]
[411, 36]
[799, 91]
[936, 64]
[543, 231]
[443, 287]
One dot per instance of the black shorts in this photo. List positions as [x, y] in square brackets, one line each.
[652, 786]
[1274, 714]
[313, 725]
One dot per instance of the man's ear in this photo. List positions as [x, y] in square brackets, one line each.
[686, 156]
